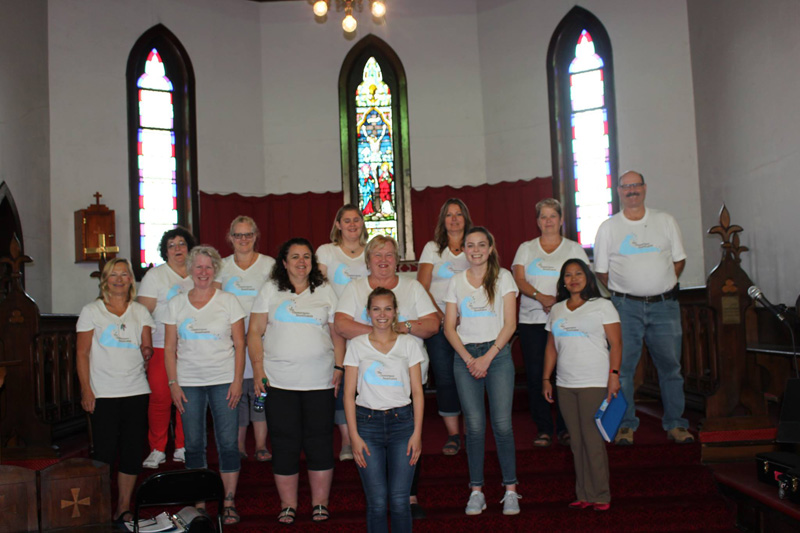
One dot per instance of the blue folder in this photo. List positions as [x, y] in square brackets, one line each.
[609, 416]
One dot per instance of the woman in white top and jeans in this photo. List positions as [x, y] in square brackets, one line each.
[385, 428]
[484, 299]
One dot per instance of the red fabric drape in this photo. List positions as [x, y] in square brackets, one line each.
[506, 208]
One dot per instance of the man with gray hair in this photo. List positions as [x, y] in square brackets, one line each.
[639, 256]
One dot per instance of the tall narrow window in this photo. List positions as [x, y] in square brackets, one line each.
[375, 154]
[162, 166]
[583, 123]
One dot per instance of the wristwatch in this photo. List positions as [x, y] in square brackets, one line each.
[408, 325]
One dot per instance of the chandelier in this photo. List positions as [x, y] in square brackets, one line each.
[349, 24]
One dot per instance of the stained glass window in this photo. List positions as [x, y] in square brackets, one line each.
[580, 74]
[158, 191]
[375, 152]
[589, 120]
[163, 180]
[373, 111]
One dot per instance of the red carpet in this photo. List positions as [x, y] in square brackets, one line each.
[655, 485]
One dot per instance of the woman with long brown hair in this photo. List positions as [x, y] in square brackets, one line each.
[479, 321]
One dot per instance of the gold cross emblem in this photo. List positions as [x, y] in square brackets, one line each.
[101, 249]
[76, 502]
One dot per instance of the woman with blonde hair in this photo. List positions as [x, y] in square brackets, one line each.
[243, 274]
[114, 346]
[479, 322]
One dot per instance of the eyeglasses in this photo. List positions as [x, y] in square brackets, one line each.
[243, 235]
[177, 244]
[630, 186]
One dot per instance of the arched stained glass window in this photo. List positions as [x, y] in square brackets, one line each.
[162, 148]
[375, 140]
[583, 125]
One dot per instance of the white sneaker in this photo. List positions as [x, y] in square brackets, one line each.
[511, 502]
[476, 504]
[180, 455]
[154, 459]
[347, 453]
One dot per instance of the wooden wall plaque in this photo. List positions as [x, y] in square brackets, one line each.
[95, 233]
[75, 493]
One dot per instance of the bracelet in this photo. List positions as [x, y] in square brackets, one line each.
[498, 348]
[547, 379]
[613, 371]
[337, 367]
[171, 382]
[535, 292]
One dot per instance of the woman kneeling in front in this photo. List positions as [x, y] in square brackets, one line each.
[586, 340]
[385, 426]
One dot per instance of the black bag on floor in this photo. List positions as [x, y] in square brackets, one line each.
[772, 465]
[789, 485]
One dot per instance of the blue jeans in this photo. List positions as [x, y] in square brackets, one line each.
[659, 325]
[388, 475]
[499, 385]
[442, 356]
[226, 427]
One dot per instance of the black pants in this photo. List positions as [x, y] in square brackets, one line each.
[119, 428]
[533, 340]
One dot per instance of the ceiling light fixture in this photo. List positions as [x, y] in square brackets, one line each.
[349, 23]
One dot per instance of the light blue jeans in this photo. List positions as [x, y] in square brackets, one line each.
[388, 474]
[499, 385]
[226, 427]
[658, 324]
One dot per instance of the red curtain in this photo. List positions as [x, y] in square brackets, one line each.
[506, 208]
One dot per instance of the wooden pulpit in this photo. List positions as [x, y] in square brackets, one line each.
[75, 493]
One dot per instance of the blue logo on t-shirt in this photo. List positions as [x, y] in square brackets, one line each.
[371, 376]
[445, 270]
[560, 331]
[285, 313]
[535, 270]
[233, 288]
[108, 339]
[173, 291]
[186, 332]
[340, 277]
[470, 310]
[628, 247]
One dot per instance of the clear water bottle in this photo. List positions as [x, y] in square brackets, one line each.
[258, 404]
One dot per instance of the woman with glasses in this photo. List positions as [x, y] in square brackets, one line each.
[243, 274]
[159, 285]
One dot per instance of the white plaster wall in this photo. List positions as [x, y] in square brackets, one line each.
[746, 80]
[655, 103]
[438, 46]
[89, 43]
[24, 154]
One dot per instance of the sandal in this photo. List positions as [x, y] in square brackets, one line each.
[320, 513]
[542, 440]
[452, 446]
[120, 520]
[286, 516]
[563, 438]
[230, 516]
[263, 456]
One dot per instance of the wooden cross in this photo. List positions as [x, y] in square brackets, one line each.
[76, 502]
[97, 197]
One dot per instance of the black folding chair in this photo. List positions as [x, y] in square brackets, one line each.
[180, 487]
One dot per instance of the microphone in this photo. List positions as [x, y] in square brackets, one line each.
[756, 294]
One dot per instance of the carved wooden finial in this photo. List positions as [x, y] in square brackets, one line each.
[17, 258]
[729, 233]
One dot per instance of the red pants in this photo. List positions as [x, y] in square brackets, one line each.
[160, 409]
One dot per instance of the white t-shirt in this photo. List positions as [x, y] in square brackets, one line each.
[163, 284]
[542, 271]
[445, 266]
[581, 342]
[206, 355]
[638, 255]
[298, 350]
[383, 379]
[413, 302]
[480, 322]
[116, 366]
[245, 284]
[341, 269]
